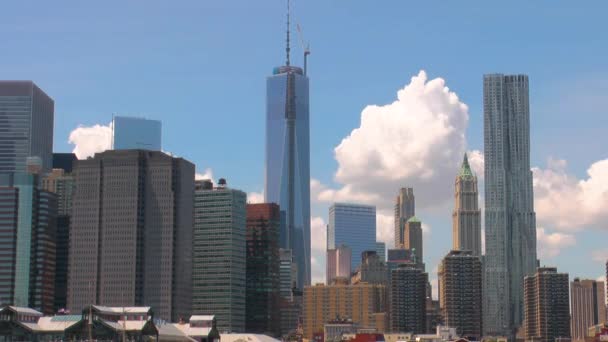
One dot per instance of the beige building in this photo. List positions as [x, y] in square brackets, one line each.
[587, 306]
[405, 207]
[361, 303]
[466, 218]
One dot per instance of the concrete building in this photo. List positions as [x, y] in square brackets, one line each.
[353, 225]
[381, 250]
[510, 221]
[460, 293]
[131, 236]
[287, 171]
[133, 133]
[338, 263]
[263, 277]
[408, 299]
[405, 207]
[61, 182]
[28, 224]
[219, 259]
[360, 303]
[26, 126]
[587, 306]
[547, 307]
[412, 240]
[372, 270]
[466, 219]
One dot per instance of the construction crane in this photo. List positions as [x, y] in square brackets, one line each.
[305, 47]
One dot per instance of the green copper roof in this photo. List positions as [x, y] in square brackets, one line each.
[465, 169]
[414, 219]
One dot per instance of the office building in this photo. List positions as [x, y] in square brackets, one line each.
[27, 264]
[361, 303]
[219, 258]
[338, 263]
[466, 218]
[131, 232]
[547, 307]
[381, 250]
[408, 299]
[587, 306]
[287, 273]
[61, 182]
[510, 221]
[405, 207]
[27, 126]
[263, 277]
[133, 133]
[372, 270]
[287, 168]
[396, 257]
[412, 240]
[460, 293]
[353, 225]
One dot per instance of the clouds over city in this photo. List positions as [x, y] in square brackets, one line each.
[88, 140]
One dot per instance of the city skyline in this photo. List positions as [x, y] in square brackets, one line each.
[560, 237]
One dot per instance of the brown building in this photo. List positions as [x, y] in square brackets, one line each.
[412, 240]
[546, 305]
[587, 306]
[460, 281]
[263, 283]
[408, 299]
[361, 303]
[131, 236]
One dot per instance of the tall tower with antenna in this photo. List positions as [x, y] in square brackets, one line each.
[287, 165]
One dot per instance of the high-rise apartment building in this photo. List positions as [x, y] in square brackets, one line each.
[510, 221]
[460, 299]
[338, 263]
[287, 171]
[353, 225]
[134, 133]
[412, 239]
[381, 250]
[263, 276]
[27, 222]
[27, 126]
[466, 219]
[131, 232]
[405, 207]
[363, 303]
[408, 299]
[587, 306]
[219, 258]
[547, 307]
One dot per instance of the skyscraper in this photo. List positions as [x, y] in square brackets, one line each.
[136, 133]
[466, 219]
[412, 239]
[131, 232]
[405, 207]
[263, 280]
[338, 263]
[547, 307]
[27, 126]
[373, 270]
[587, 306]
[353, 225]
[408, 299]
[219, 258]
[381, 250]
[460, 281]
[509, 209]
[287, 171]
[27, 263]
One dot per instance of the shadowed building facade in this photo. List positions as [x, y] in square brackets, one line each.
[408, 299]
[405, 207]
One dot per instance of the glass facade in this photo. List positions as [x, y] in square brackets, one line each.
[26, 126]
[136, 133]
[353, 225]
[287, 169]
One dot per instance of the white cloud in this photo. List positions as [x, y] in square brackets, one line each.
[476, 161]
[551, 244]
[89, 140]
[418, 140]
[569, 203]
[208, 174]
[255, 197]
[600, 256]
[318, 234]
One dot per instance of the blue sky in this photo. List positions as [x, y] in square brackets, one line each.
[200, 67]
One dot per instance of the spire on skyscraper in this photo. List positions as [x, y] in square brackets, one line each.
[287, 47]
[465, 169]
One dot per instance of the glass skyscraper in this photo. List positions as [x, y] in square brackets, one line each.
[26, 126]
[509, 208]
[287, 174]
[353, 225]
[136, 133]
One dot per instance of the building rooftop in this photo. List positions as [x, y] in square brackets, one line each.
[414, 219]
[465, 169]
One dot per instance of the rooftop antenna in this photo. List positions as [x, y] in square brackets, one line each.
[305, 47]
[287, 48]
